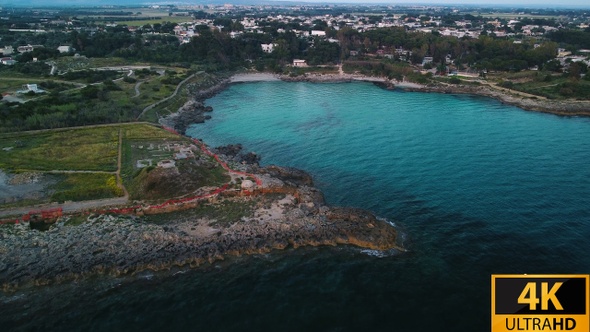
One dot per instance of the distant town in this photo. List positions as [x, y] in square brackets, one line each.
[96, 104]
[52, 57]
[20, 28]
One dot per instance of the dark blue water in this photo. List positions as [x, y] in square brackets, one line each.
[477, 187]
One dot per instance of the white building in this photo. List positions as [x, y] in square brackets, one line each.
[167, 164]
[29, 88]
[65, 49]
[268, 48]
[7, 61]
[7, 50]
[299, 63]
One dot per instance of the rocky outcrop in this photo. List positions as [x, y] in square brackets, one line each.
[559, 107]
[292, 176]
[191, 112]
[203, 94]
[234, 152]
[125, 244]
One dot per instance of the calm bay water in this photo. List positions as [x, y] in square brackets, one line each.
[477, 187]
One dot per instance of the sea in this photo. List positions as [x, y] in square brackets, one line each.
[475, 187]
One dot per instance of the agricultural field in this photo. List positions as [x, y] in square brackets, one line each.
[172, 19]
[80, 164]
[59, 165]
[91, 149]
[137, 17]
[81, 187]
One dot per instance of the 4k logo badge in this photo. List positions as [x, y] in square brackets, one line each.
[540, 303]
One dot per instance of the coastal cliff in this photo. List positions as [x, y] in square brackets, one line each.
[291, 213]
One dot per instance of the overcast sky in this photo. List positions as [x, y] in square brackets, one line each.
[515, 3]
[511, 3]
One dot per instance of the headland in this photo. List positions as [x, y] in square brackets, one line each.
[213, 204]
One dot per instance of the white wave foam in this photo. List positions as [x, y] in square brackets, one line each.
[380, 253]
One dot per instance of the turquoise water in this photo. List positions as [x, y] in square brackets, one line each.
[477, 188]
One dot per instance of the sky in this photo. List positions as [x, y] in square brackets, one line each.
[511, 3]
[515, 3]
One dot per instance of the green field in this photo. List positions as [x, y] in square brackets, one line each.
[81, 149]
[149, 145]
[139, 23]
[81, 187]
[141, 16]
[92, 149]
[81, 162]
[545, 84]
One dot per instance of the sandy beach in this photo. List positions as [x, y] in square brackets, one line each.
[254, 77]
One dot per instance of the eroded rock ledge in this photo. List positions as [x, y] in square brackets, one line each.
[292, 215]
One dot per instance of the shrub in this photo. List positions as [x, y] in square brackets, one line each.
[128, 79]
[507, 84]
[566, 92]
[455, 80]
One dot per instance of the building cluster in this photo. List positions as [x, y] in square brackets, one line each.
[267, 20]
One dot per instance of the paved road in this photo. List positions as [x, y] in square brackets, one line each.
[67, 207]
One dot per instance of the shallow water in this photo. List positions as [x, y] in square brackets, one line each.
[477, 187]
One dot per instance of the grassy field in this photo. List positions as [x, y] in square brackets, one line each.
[149, 145]
[81, 187]
[545, 84]
[92, 149]
[561, 88]
[145, 131]
[8, 84]
[166, 18]
[141, 16]
[67, 63]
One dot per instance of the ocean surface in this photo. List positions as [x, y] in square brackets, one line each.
[476, 187]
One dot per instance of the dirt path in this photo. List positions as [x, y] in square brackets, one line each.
[149, 107]
[137, 92]
[119, 162]
[76, 127]
[496, 87]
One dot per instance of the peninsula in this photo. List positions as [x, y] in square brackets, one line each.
[193, 208]
[97, 177]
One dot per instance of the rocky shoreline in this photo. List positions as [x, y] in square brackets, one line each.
[539, 104]
[558, 107]
[291, 214]
[194, 110]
